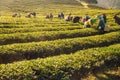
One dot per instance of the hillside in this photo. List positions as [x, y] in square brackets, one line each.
[20, 5]
[115, 4]
[28, 5]
[90, 1]
[39, 48]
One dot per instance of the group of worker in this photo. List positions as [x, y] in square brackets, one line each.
[88, 22]
[29, 15]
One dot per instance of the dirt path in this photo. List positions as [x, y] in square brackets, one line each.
[83, 3]
[112, 74]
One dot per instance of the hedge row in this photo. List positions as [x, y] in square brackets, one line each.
[37, 24]
[15, 52]
[33, 25]
[63, 67]
[36, 29]
[42, 36]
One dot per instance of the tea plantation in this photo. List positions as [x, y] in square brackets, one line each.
[44, 49]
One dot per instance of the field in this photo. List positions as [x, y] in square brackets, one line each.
[43, 49]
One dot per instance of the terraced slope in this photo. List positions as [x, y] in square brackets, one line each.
[37, 5]
[25, 5]
[70, 67]
[43, 49]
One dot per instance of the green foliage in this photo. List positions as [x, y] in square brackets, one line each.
[32, 50]
[36, 29]
[62, 67]
[52, 35]
[62, 34]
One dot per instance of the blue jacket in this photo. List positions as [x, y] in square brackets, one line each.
[101, 23]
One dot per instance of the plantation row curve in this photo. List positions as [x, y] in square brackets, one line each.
[64, 66]
[52, 35]
[34, 50]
